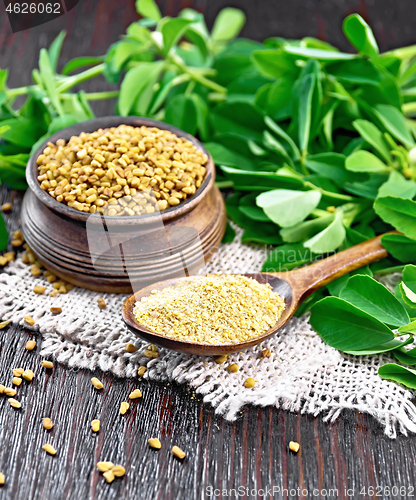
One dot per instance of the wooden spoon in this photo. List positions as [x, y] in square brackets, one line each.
[293, 286]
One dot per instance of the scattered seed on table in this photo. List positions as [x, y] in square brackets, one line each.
[97, 383]
[47, 423]
[221, 359]
[56, 310]
[54, 292]
[118, 470]
[109, 476]
[10, 392]
[2, 388]
[28, 375]
[6, 207]
[155, 443]
[3, 324]
[104, 466]
[29, 320]
[16, 381]
[266, 353]
[101, 303]
[151, 354]
[39, 289]
[178, 452]
[35, 270]
[47, 364]
[2, 478]
[51, 278]
[124, 407]
[293, 446]
[131, 348]
[233, 368]
[95, 425]
[15, 403]
[135, 394]
[49, 449]
[17, 372]
[141, 371]
[249, 383]
[30, 345]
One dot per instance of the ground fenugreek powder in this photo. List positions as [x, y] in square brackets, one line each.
[216, 309]
[122, 170]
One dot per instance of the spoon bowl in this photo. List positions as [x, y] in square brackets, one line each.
[293, 286]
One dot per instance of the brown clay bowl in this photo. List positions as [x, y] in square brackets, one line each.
[83, 249]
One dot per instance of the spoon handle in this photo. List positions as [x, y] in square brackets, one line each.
[306, 280]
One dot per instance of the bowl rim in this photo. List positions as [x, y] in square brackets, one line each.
[107, 122]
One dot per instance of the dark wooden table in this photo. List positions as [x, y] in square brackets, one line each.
[350, 456]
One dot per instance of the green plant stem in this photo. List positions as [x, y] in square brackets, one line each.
[336, 196]
[98, 96]
[224, 184]
[196, 75]
[81, 77]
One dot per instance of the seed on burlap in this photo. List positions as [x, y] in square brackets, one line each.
[249, 383]
[2, 479]
[97, 383]
[14, 403]
[56, 310]
[124, 407]
[16, 381]
[17, 372]
[178, 452]
[28, 375]
[30, 345]
[95, 425]
[104, 466]
[47, 364]
[101, 303]
[293, 446]
[109, 476]
[131, 348]
[118, 470]
[29, 320]
[10, 392]
[47, 423]
[135, 394]
[141, 371]
[49, 449]
[3, 324]
[155, 443]
[39, 289]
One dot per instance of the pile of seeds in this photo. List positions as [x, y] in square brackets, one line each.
[122, 170]
[214, 309]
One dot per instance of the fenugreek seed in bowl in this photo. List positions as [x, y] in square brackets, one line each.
[88, 224]
[122, 171]
[216, 309]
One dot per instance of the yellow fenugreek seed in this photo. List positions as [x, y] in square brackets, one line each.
[17, 372]
[104, 466]
[151, 354]
[2, 388]
[101, 303]
[293, 446]
[135, 394]
[16, 381]
[49, 449]
[249, 383]
[39, 289]
[28, 375]
[56, 310]
[47, 364]
[95, 425]
[47, 423]
[3, 324]
[131, 348]
[155, 443]
[29, 320]
[233, 368]
[97, 383]
[6, 207]
[10, 392]
[14, 403]
[124, 407]
[266, 353]
[109, 476]
[141, 371]
[2, 478]
[30, 345]
[35, 270]
[178, 452]
[221, 359]
[118, 470]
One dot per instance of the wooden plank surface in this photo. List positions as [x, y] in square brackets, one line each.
[250, 453]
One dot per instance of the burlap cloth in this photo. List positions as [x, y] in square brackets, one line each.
[302, 374]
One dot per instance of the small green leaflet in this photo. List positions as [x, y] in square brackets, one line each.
[364, 161]
[397, 185]
[286, 207]
[305, 229]
[399, 374]
[375, 299]
[399, 212]
[306, 88]
[400, 247]
[330, 238]
[360, 35]
[392, 345]
[346, 327]
[394, 122]
[227, 25]
[172, 30]
[149, 9]
[373, 136]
